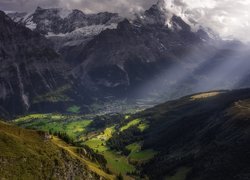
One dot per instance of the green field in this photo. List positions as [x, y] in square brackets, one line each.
[130, 124]
[117, 163]
[143, 126]
[140, 155]
[74, 126]
[75, 129]
[97, 144]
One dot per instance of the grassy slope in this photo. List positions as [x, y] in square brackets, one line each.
[115, 162]
[92, 166]
[75, 127]
[205, 133]
[131, 123]
[27, 155]
[177, 130]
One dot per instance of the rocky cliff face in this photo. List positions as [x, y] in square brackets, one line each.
[29, 66]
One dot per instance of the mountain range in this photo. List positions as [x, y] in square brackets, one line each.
[100, 96]
[153, 54]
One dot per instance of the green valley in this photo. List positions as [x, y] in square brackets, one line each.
[162, 139]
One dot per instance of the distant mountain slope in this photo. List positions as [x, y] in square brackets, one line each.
[29, 67]
[204, 136]
[136, 52]
[27, 154]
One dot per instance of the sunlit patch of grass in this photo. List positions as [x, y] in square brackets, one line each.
[127, 116]
[77, 128]
[74, 126]
[117, 163]
[31, 116]
[204, 95]
[107, 133]
[34, 117]
[130, 124]
[143, 126]
[57, 117]
[97, 144]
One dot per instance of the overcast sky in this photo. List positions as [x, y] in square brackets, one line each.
[230, 18]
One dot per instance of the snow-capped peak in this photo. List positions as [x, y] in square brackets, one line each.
[172, 8]
[62, 21]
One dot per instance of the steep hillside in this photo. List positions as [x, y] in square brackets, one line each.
[204, 136]
[27, 154]
[29, 67]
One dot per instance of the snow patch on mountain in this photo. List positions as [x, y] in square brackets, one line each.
[58, 22]
[31, 25]
[85, 31]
